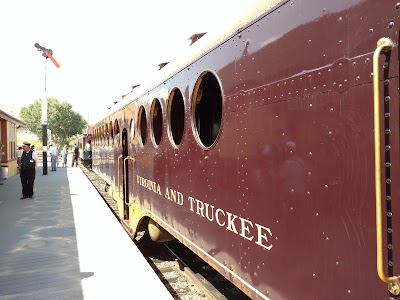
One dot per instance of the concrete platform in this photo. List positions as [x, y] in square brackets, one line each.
[66, 244]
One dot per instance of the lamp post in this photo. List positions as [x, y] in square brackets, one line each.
[47, 53]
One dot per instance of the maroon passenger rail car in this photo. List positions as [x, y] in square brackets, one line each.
[272, 151]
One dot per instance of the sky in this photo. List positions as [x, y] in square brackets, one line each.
[103, 47]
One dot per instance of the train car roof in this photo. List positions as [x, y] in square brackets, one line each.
[198, 49]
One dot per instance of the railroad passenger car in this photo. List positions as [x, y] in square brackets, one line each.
[272, 151]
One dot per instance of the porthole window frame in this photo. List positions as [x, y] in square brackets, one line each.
[132, 130]
[107, 132]
[169, 131]
[111, 132]
[152, 136]
[139, 124]
[193, 111]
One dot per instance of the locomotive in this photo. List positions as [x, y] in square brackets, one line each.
[271, 151]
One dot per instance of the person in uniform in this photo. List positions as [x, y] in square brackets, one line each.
[29, 161]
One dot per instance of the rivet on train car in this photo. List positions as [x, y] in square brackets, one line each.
[324, 9]
[337, 263]
[340, 19]
[390, 263]
[371, 30]
[206, 157]
[389, 230]
[326, 186]
[390, 246]
[367, 60]
[389, 214]
[387, 98]
[313, 275]
[388, 165]
[387, 147]
[349, 291]
[388, 198]
[340, 85]
[327, 238]
[386, 64]
[358, 78]
[310, 104]
[386, 82]
[391, 24]
[388, 181]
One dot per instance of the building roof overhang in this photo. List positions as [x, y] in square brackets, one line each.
[9, 118]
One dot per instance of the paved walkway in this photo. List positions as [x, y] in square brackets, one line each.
[66, 244]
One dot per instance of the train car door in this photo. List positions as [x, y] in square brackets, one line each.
[125, 181]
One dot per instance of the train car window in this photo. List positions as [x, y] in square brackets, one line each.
[116, 133]
[156, 122]
[107, 134]
[111, 131]
[142, 122]
[176, 117]
[207, 110]
[132, 129]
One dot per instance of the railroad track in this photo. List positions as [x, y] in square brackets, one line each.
[185, 275]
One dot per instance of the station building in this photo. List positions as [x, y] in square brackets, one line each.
[8, 138]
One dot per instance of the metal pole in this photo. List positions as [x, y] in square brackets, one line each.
[44, 120]
[47, 53]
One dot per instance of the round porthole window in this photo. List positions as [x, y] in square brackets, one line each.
[156, 122]
[176, 117]
[207, 110]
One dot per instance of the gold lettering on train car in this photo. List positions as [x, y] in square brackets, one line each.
[148, 184]
[217, 219]
[231, 222]
[245, 228]
[173, 195]
[261, 236]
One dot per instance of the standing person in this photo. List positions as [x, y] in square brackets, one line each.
[58, 154]
[75, 156]
[19, 154]
[53, 155]
[64, 156]
[88, 150]
[29, 161]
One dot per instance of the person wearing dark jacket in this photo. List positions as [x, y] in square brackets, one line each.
[75, 155]
[29, 161]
